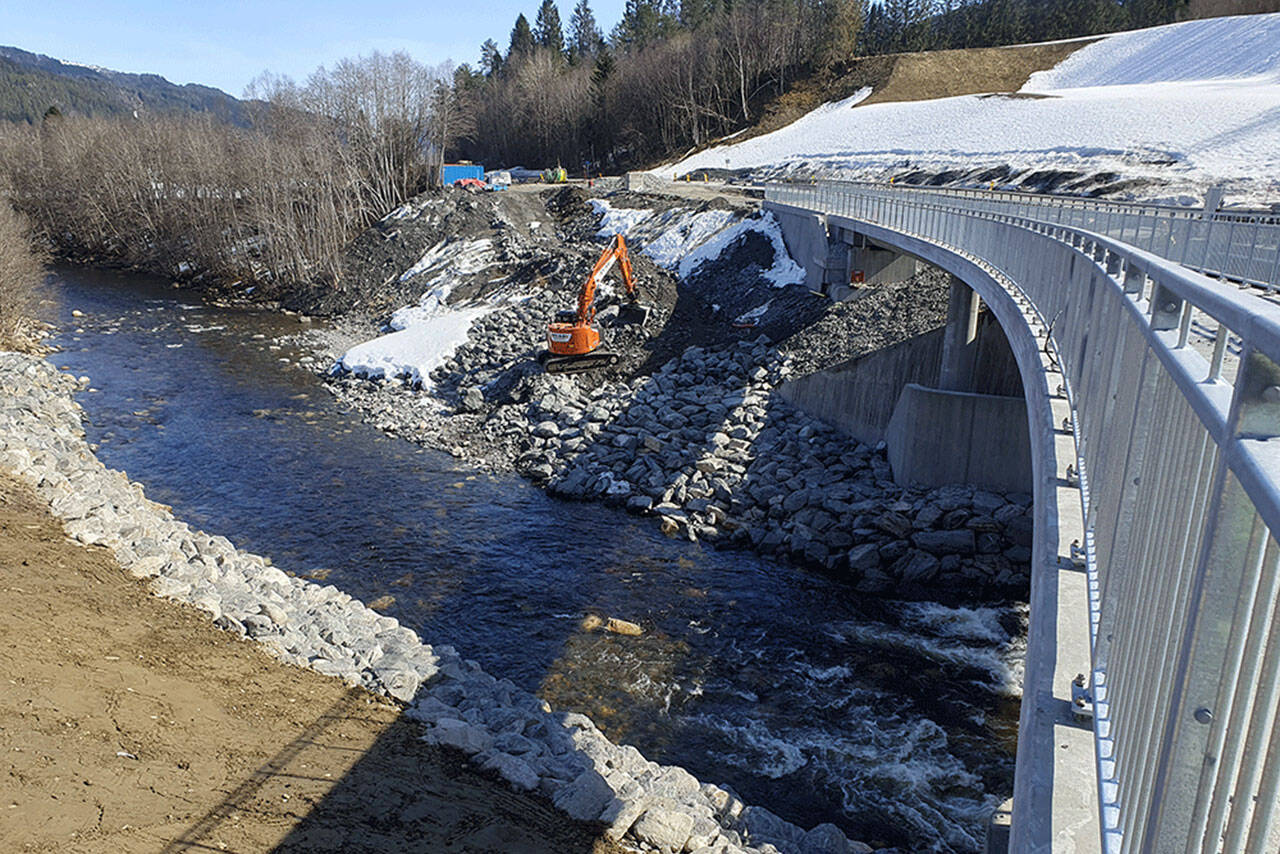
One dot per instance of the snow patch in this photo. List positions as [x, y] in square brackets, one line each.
[683, 233]
[682, 241]
[456, 258]
[1191, 103]
[784, 271]
[753, 316]
[422, 344]
[617, 220]
[426, 334]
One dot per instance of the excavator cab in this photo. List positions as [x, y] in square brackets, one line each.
[573, 341]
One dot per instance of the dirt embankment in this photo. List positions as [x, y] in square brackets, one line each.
[916, 77]
[130, 724]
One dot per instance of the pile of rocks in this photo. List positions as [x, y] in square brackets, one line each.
[708, 448]
[502, 728]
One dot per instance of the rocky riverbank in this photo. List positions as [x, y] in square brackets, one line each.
[501, 728]
[131, 725]
[690, 429]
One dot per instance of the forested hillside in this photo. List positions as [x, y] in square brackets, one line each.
[31, 84]
[676, 74]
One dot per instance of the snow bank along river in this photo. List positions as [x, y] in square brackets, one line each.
[893, 720]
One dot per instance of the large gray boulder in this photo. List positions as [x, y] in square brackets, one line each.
[665, 829]
[958, 542]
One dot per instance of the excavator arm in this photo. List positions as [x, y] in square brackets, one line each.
[615, 253]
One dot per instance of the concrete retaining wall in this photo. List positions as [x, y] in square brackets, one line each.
[805, 235]
[645, 182]
[828, 255]
[938, 437]
[880, 266]
[858, 396]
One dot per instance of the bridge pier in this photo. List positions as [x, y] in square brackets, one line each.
[948, 404]
[971, 425]
[958, 344]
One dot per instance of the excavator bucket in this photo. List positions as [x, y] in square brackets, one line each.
[632, 314]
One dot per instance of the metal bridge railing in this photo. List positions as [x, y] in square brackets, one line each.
[1241, 246]
[1179, 459]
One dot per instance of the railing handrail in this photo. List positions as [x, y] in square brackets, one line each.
[1271, 215]
[1200, 552]
[1238, 246]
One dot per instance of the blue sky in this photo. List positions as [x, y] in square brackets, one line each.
[226, 44]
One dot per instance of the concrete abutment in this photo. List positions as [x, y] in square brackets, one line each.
[836, 259]
[948, 404]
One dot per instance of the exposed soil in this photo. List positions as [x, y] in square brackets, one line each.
[948, 73]
[131, 724]
[915, 77]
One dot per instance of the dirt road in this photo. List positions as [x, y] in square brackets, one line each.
[131, 724]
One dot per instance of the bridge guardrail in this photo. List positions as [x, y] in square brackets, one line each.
[1178, 454]
[1241, 246]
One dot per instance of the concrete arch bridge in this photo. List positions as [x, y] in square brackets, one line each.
[1146, 344]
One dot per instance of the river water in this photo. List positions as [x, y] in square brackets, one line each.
[894, 720]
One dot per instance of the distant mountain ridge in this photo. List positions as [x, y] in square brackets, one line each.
[31, 83]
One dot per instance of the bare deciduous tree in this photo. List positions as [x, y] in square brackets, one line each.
[21, 273]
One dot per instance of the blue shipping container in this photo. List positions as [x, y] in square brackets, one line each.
[458, 171]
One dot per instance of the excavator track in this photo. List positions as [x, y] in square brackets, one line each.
[577, 364]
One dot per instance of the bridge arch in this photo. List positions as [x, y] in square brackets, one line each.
[1153, 402]
[1027, 334]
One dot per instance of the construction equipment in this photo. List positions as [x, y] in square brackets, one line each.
[573, 342]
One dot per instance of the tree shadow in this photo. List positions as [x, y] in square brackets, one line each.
[400, 795]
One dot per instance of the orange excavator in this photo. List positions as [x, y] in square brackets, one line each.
[573, 342]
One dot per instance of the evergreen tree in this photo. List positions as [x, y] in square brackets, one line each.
[547, 30]
[585, 38]
[522, 42]
[604, 66]
[490, 58]
[1005, 22]
[873, 36]
[840, 24]
[643, 22]
[697, 13]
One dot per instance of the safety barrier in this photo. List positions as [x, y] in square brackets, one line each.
[1242, 246]
[1173, 382]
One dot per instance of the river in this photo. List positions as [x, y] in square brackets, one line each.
[894, 720]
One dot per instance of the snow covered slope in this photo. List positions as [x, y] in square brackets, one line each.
[1238, 48]
[681, 241]
[1176, 107]
[424, 336]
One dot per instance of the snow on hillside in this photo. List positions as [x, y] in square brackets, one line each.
[1212, 49]
[426, 335]
[1180, 107]
[681, 240]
